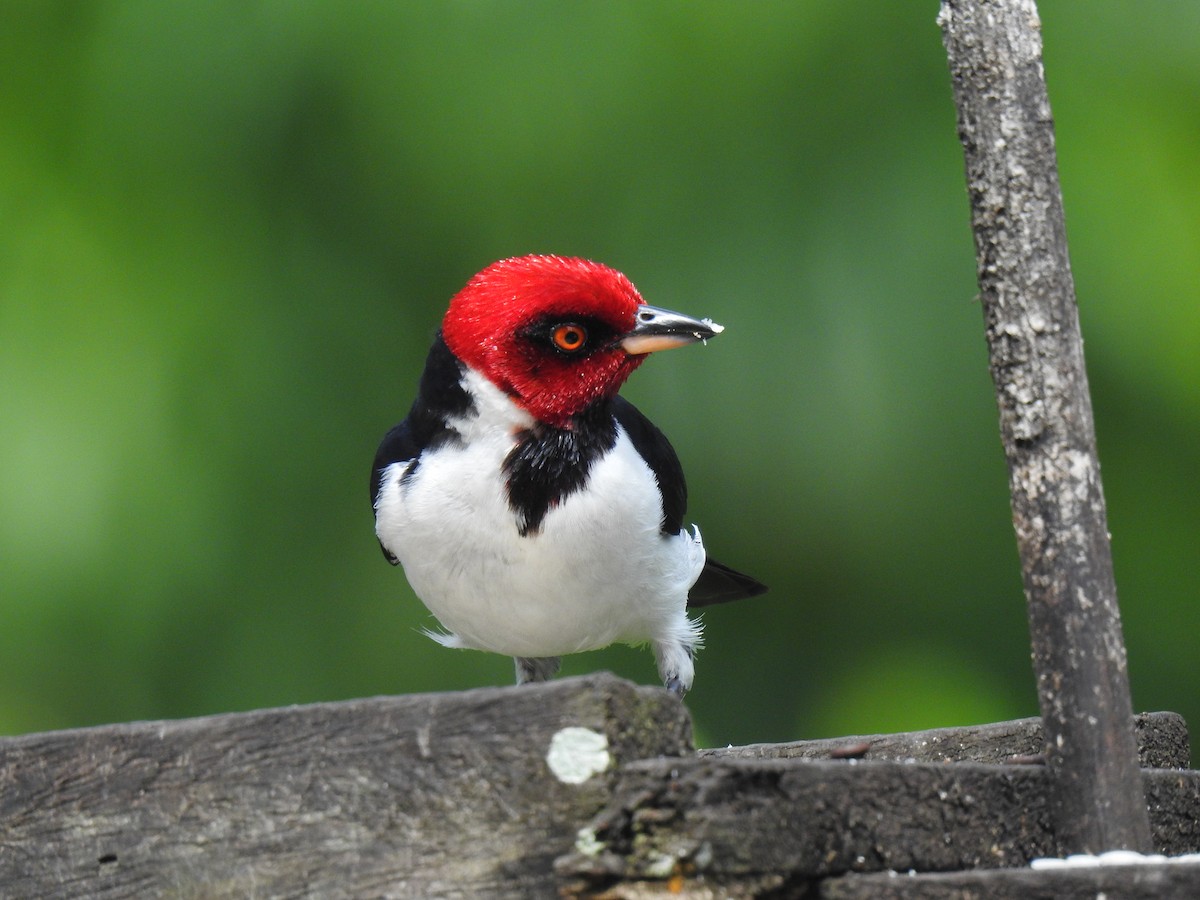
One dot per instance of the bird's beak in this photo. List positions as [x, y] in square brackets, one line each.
[661, 329]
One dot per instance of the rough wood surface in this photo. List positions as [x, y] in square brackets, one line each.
[731, 822]
[436, 795]
[1162, 742]
[1168, 881]
[1036, 358]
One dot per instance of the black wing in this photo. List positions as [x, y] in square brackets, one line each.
[439, 396]
[717, 583]
[659, 455]
[398, 445]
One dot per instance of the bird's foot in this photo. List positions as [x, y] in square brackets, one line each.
[675, 665]
[532, 669]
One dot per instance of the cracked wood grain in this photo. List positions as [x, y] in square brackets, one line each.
[1036, 359]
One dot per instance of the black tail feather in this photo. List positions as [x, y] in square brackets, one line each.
[720, 584]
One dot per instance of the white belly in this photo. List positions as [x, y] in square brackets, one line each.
[599, 570]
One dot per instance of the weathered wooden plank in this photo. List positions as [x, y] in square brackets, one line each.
[434, 795]
[1162, 740]
[729, 820]
[1167, 881]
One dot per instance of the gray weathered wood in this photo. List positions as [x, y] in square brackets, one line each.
[1167, 881]
[734, 821]
[1036, 355]
[1162, 740]
[452, 795]
[435, 795]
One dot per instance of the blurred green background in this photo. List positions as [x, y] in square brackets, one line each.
[228, 232]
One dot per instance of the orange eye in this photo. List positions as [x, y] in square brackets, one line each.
[569, 337]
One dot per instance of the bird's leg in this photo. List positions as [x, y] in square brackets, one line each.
[534, 668]
[675, 665]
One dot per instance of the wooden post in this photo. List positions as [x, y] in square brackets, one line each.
[1036, 352]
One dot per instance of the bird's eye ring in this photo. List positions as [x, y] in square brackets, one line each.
[569, 337]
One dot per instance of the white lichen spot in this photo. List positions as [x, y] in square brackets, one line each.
[661, 865]
[576, 754]
[1080, 466]
[587, 843]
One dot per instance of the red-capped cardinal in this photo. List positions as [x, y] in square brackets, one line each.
[536, 512]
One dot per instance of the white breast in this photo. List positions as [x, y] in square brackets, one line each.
[599, 570]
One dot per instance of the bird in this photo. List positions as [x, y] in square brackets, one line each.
[535, 511]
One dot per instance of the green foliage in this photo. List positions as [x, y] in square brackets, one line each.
[228, 231]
